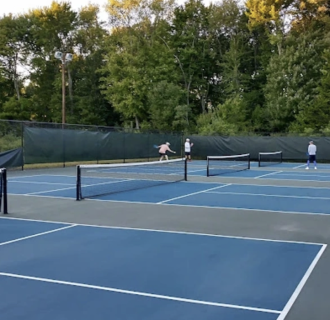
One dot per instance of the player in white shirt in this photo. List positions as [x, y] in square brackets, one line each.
[311, 154]
[187, 149]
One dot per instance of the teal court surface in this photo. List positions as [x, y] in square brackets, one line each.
[73, 270]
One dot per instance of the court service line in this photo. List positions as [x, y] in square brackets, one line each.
[305, 174]
[48, 191]
[275, 186]
[282, 178]
[23, 177]
[38, 234]
[183, 205]
[47, 183]
[190, 171]
[179, 205]
[193, 193]
[246, 209]
[137, 293]
[301, 284]
[164, 231]
[271, 195]
[267, 174]
[294, 179]
[297, 167]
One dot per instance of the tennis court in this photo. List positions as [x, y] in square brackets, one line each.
[313, 200]
[248, 244]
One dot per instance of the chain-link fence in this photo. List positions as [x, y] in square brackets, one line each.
[53, 144]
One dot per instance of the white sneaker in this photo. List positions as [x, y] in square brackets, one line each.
[307, 168]
[315, 168]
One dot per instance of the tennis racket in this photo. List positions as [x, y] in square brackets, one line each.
[155, 146]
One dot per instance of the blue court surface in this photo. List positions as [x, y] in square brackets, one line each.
[282, 171]
[304, 200]
[67, 271]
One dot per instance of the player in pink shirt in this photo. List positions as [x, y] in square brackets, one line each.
[162, 150]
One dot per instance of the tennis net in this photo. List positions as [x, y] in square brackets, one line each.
[104, 179]
[218, 165]
[3, 190]
[270, 158]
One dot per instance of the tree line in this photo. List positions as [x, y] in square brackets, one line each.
[224, 68]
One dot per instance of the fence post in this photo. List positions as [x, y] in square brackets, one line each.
[97, 145]
[22, 143]
[63, 135]
[124, 145]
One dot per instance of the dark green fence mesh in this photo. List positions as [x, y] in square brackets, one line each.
[45, 143]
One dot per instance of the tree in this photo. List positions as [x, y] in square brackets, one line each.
[292, 80]
[316, 117]
[136, 59]
[164, 99]
[191, 47]
[13, 49]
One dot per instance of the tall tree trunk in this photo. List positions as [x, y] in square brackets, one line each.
[137, 123]
[15, 78]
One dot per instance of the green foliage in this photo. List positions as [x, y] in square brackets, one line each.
[316, 117]
[9, 142]
[15, 109]
[226, 119]
[164, 99]
[211, 124]
[292, 80]
[226, 68]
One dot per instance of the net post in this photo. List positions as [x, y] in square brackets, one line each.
[78, 185]
[186, 169]
[281, 156]
[249, 162]
[207, 167]
[5, 199]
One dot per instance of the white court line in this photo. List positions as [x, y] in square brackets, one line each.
[138, 293]
[42, 175]
[74, 187]
[252, 185]
[47, 183]
[191, 194]
[184, 205]
[271, 195]
[302, 165]
[280, 179]
[22, 177]
[41, 196]
[48, 191]
[300, 286]
[165, 231]
[246, 209]
[303, 180]
[275, 186]
[38, 234]
[58, 175]
[306, 173]
[267, 174]
[179, 205]
[190, 171]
